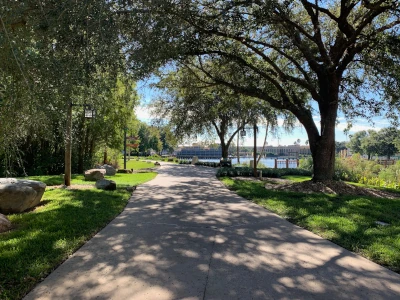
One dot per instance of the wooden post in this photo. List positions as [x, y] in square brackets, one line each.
[276, 163]
[297, 162]
[287, 163]
[255, 150]
[68, 143]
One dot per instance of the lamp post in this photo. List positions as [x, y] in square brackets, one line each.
[89, 114]
[125, 129]
[243, 134]
[255, 150]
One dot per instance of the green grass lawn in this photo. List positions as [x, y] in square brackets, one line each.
[135, 164]
[296, 178]
[119, 178]
[43, 238]
[348, 221]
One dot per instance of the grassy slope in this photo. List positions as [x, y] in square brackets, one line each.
[348, 221]
[46, 236]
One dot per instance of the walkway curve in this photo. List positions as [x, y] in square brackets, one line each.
[185, 236]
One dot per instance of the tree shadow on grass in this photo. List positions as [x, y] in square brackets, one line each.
[47, 235]
[349, 221]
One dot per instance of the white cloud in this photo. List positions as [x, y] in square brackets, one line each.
[143, 113]
[360, 125]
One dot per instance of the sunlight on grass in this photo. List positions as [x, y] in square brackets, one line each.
[135, 164]
[120, 179]
[348, 221]
[297, 178]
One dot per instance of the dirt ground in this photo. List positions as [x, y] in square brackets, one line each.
[328, 187]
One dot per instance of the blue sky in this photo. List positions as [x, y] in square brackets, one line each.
[147, 94]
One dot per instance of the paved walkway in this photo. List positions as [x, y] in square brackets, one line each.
[184, 236]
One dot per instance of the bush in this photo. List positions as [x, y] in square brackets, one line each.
[357, 169]
[185, 162]
[306, 163]
[207, 164]
[266, 172]
[390, 176]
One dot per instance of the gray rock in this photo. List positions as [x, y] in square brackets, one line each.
[105, 184]
[94, 174]
[131, 188]
[157, 163]
[110, 170]
[5, 224]
[18, 195]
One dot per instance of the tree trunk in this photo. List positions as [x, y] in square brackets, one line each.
[265, 144]
[322, 143]
[323, 146]
[224, 149]
[323, 155]
[105, 156]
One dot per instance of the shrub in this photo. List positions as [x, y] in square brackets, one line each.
[266, 172]
[306, 163]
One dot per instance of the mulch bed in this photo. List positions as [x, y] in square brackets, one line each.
[327, 187]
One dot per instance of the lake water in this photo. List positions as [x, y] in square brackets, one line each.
[268, 162]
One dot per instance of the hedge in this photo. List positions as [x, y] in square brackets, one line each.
[266, 172]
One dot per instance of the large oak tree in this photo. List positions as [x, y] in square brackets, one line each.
[319, 57]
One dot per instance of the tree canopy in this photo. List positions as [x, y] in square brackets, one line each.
[193, 106]
[54, 54]
[371, 142]
[307, 57]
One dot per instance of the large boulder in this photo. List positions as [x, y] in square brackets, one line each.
[110, 170]
[94, 174]
[18, 195]
[5, 224]
[105, 184]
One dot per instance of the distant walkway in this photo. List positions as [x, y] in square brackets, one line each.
[184, 236]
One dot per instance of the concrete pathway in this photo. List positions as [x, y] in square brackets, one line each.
[184, 236]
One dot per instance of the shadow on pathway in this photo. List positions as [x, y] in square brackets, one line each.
[185, 236]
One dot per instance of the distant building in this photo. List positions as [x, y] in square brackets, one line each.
[216, 153]
[199, 151]
[291, 150]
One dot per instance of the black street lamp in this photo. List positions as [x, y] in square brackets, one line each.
[89, 113]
